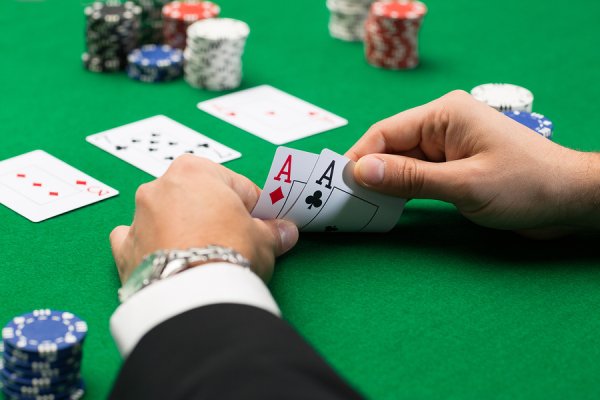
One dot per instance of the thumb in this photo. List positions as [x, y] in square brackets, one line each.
[286, 232]
[117, 239]
[410, 177]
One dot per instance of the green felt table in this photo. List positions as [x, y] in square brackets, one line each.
[437, 308]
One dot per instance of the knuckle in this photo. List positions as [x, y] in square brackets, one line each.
[408, 176]
[142, 193]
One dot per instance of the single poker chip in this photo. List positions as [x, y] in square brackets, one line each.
[155, 63]
[405, 9]
[61, 386]
[534, 121]
[45, 332]
[153, 55]
[504, 96]
[18, 355]
[41, 366]
[75, 392]
[191, 11]
[219, 28]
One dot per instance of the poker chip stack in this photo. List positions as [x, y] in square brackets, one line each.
[178, 16]
[112, 32]
[213, 55]
[504, 96]
[151, 20]
[155, 63]
[391, 34]
[347, 18]
[534, 121]
[42, 353]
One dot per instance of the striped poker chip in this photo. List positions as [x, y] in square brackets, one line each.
[534, 121]
[45, 332]
[504, 96]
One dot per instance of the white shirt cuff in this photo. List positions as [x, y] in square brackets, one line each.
[200, 286]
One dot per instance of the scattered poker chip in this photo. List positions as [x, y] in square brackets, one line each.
[391, 33]
[534, 121]
[112, 32]
[155, 63]
[41, 356]
[213, 55]
[504, 96]
[347, 19]
[178, 16]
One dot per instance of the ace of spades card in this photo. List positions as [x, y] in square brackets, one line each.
[332, 201]
[287, 177]
[153, 143]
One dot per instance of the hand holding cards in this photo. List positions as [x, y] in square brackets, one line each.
[319, 194]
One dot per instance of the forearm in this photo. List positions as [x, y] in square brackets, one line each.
[584, 196]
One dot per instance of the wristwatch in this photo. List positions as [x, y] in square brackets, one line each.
[166, 263]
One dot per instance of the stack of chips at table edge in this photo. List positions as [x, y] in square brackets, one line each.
[151, 20]
[111, 34]
[347, 19]
[155, 63]
[391, 34]
[42, 353]
[178, 16]
[213, 55]
[515, 102]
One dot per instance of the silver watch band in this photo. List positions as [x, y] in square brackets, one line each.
[166, 263]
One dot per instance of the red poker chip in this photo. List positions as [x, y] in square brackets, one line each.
[403, 9]
[190, 12]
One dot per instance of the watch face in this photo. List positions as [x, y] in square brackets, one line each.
[139, 277]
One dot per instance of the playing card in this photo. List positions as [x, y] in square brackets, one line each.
[39, 186]
[153, 143]
[288, 176]
[271, 114]
[332, 201]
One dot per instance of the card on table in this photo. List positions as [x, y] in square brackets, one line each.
[271, 114]
[153, 143]
[39, 186]
[289, 173]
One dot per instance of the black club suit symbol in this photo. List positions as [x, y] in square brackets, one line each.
[314, 200]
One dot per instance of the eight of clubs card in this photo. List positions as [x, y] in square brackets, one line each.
[333, 201]
[289, 173]
[39, 186]
[272, 114]
[153, 143]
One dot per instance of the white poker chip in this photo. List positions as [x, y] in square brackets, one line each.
[219, 29]
[504, 96]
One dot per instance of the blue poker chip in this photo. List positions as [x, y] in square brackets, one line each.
[75, 392]
[18, 355]
[58, 388]
[534, 121]
[152, 55]
[39, 370]
[155, 63]
[45, 332]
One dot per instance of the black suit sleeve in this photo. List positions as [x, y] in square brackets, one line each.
[227, 351]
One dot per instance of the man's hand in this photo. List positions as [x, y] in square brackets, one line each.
[497, 172]
[194, 204]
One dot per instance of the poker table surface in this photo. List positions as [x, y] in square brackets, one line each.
[436, 308]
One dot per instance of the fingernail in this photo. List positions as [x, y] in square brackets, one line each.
[288, 233]
[371, 170]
